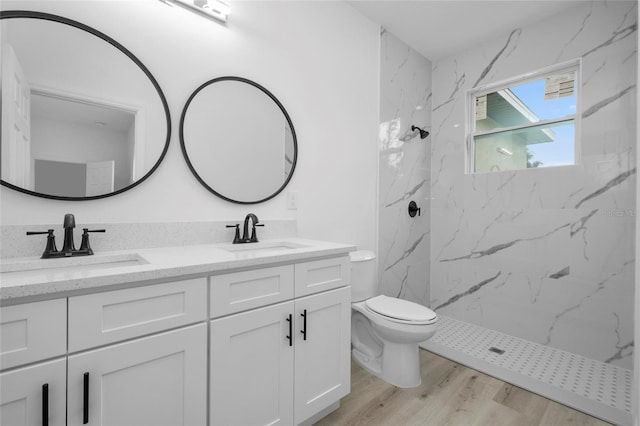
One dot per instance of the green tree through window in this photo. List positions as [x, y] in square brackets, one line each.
[532, 164]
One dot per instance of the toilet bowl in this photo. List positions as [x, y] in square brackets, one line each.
[386, 331]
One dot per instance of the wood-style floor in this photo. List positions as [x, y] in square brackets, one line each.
[450, 394]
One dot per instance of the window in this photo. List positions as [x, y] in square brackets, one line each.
[526, 123]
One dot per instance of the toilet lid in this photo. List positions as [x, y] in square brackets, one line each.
[401, 309]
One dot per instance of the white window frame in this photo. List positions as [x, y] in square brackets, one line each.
[573, 65]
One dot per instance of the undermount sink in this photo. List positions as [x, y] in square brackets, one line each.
[23, 268]
[264, 248]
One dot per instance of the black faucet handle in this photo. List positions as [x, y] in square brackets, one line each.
[236, 238]
[254, 235]
[51, 242]
[50, 231]
[84, 245]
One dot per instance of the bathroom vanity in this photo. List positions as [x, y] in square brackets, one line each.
[208, 334]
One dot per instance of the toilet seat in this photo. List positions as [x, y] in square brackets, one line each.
[401, 311]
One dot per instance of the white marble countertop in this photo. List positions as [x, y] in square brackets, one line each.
[20, 282]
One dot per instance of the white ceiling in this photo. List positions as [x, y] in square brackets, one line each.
[440, 28]
[68, 111]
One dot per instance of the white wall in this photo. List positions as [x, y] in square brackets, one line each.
[319, 58]
[57, 140]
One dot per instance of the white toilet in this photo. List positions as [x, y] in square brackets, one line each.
[385, 331]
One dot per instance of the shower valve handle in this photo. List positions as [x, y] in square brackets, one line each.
[413, 209]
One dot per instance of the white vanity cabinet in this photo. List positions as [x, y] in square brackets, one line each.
[154, 381]
[32, 360]
[157, 379]
[34, 395]
[135, 356]
[241, 341]
[252, 368]
[286, 362]
[322, 366]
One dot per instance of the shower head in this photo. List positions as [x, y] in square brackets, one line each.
[423, 133]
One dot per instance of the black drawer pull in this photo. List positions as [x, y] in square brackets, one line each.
[290, 321]
[304, 325]
[85, 400]
[45, 404]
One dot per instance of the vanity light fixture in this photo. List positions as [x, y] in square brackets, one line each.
[215, 8]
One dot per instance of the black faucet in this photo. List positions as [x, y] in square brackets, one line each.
[68, 248]
[245, 230]
[245, 234]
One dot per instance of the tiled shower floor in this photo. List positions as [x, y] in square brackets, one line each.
[600, 389]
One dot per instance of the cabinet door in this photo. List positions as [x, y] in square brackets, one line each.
[25, 400]
[252, 367]
[322, 364]
[156, 380]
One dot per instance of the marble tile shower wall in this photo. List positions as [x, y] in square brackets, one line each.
[544, 254]
[405, 100]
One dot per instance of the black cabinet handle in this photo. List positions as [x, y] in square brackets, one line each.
[85, 398]
[45, 404]
[290, 321]
[304, 325]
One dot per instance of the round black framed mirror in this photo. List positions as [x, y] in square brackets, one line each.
[82, 117]
[238, 140]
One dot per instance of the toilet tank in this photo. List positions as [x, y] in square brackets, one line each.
[364, 280]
